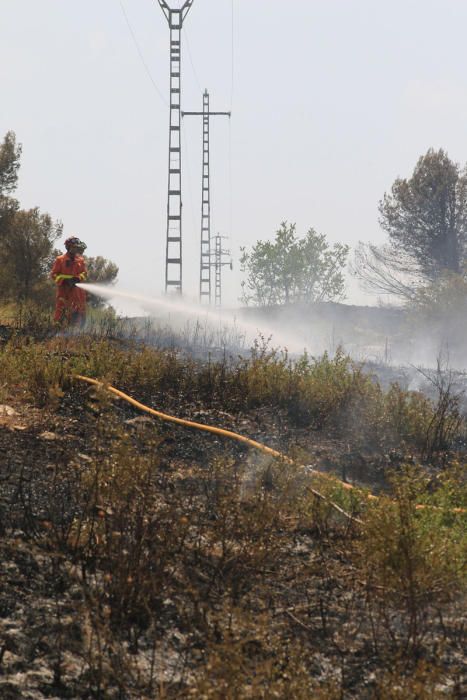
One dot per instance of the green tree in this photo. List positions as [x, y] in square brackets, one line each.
[100, 271]
[28, 238]
[292, 269]
[10, 153]
[426, 215]
[26, 253]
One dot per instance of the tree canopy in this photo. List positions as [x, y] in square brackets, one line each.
[425, 217]
[28, 239]
[26, 252]
[291, 269]
[10, 153]
[100, 271]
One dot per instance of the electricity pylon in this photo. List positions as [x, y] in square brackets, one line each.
[218, 263]
[205, 247]
[173, 249]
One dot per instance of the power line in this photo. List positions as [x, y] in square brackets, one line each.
[190, 188]
[232, 58]
[140, 54]
[191, 59]
[232, 80]
[230, 184]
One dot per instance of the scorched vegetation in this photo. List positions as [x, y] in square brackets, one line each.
[145, 560]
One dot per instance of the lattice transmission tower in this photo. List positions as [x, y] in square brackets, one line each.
[173, 250]
[205, 246]
[218, 263]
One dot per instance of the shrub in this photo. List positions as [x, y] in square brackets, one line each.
[412, 563]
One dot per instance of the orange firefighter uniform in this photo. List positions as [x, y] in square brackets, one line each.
[70, 307]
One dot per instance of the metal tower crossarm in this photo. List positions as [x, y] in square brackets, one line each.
[205, 254]
[173, 250]
[183, 11]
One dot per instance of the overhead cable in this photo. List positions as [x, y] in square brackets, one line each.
[190, 188]
[140, 54]
[232, 74]
[232, 57]
[191, 59]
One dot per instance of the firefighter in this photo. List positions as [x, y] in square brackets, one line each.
[67, 271]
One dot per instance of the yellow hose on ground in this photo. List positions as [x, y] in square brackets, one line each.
[189, 423]
[239, 438]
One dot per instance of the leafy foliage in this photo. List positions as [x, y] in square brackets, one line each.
[446, 296]
[412, 561]
[9, 164]
[292, 269]
[100, 271]
[27, 241]
[26, 253]
[10, 153]
[425, 217]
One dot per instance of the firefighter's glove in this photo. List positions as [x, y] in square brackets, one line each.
[75, 280]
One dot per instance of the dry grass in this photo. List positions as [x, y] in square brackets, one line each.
[183, 572]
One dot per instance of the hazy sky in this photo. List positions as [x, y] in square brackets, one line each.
[331, 100]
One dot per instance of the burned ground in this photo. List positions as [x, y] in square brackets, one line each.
[141, 559]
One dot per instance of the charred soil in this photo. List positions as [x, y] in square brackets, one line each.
[145, 560]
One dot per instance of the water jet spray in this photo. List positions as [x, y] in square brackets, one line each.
[183, 307]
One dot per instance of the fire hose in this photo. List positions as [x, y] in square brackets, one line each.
[251, 443]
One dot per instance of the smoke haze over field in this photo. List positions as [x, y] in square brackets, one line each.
[330, 102]
[385, 336]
